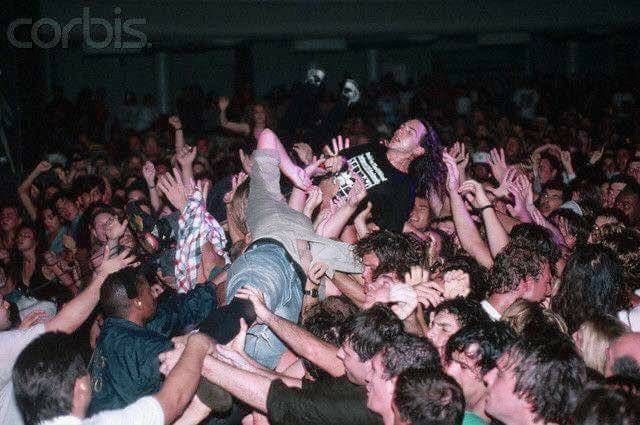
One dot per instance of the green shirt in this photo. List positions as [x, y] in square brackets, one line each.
[471, 418]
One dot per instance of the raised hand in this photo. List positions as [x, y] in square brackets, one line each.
[478, 196]
[304, 151]
[116, 263]
[339, 144]
[404, 299]
[357, 192]
[43, 166]
[33, 318]
[459, 153]
[174, 189]
[498, 163]
[223, 103]
[456, 284]
[115, 229]
[236, 180]
[596, 155]
[502, 191]
[149, 173]
[316, 271]
[174, 121]
[314, 199]
[256, 298]
[565, 158]
[519, 188]
[186, 156]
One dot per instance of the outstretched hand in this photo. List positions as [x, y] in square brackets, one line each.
[116, 262]
[174, 189]
[256, 297]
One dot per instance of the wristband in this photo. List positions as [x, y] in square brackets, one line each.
[178, 129]
[484, 208]
[312, 293]
[152, 187]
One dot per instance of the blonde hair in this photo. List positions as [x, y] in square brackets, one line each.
[595, 335]
[522, 313]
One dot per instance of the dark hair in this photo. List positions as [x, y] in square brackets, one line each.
[557, 185]
[395, 251]
[467, 311]
[513, 264]
[325, 320]
[535, 238]
[613, 213]
[44, 376]
[117, 291]
[627, 367]
[427, 398]
[554, 162]
[549, 374]
[409, 352]
[492, 338]
[576, 224]
[591, 285]
[600, 405]
[370, 330]
[85, 184]
[447, 247]
[477, 274]
[428, 171]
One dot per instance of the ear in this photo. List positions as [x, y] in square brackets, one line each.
[247, 238]
[432, 315]
[526, 287]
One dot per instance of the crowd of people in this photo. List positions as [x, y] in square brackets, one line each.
[393, 254]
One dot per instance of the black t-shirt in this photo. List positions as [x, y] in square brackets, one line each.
[324, 402]
[390, 191]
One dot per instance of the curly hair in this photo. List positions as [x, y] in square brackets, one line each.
[513, 264]
[395, 252]
[428, 170]
[535, 238]
[625, 242]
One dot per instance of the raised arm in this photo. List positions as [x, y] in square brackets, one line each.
[301, 341]
[23, 189]
[235, 127]
[350, 287]
[76, 311]
[468, 234]
[174, 121]
[149, 173]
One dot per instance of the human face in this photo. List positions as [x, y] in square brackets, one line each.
[380, 388]
[136, 195]
[407, 138]
[259, 115]
[502, 403]
[51, 221]
[26, 239]
[546, 171]
[512, 149]
[463, 368]
[420, 215]
[202, 145]
[357, 371]
[100, 225]
[151, 146]
[441, 327]
[550, 200]
[614, 191]
[541, 287]
[9, 219]
[622, 157]
[629, 204]
[370, 262]
[67, 209]
[5, 323]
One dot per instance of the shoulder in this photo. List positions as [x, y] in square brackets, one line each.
[145, 411]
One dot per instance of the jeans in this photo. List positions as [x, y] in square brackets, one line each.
[268, 267]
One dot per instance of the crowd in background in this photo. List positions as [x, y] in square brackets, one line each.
[419, 253]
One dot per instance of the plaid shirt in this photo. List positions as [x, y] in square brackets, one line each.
[197, 227]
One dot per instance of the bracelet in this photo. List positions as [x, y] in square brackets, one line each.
[152, 187]
[484, 208]
[312, 293]
[178, 129]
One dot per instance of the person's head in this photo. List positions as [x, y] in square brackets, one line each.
[628, 201]
[403, 353]
[408, 137]
[238, 208]
[536, 380]
[622, 158]
[553, 195]
[420, 215]
[522, 273]
[87, 190]
[593, 338]
[259, 115]
[10, 218]
[478, 282]
[604, 217]
[134, 143]
[523, 315]
[363, 336]
[427, 167]
[535, 238]
[325, 320]
[27, 238]
[472, 352]
[127, 295]
[50, 219]
[65, 206]
[451, 315]
[151, 147]
[633, 169]
[591, 285]
[57, 386]
[576, 225]
[549, 168]
[616, 185]
[623, 356]
[101, 219]
[385, 252]
[625, 243]
[603, 405]
[9, 314]
[427, 398]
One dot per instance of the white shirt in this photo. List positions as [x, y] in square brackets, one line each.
[145, 411]
[11, 345]
[631, 317]
[492, 312]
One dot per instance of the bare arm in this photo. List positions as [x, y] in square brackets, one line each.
[76, 311]
[175, 122]
[23, 189]
[350, 288]
[149, 173]
[235, 127]
[181, 384]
